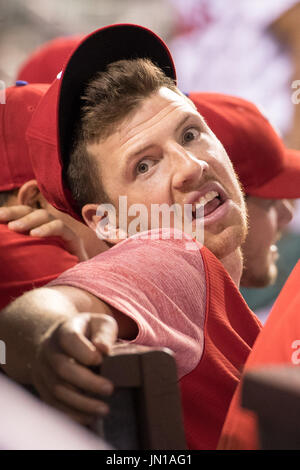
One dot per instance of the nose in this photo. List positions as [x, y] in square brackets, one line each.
[189, 169]
[285, 212]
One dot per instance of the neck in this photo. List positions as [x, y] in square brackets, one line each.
[233, 263]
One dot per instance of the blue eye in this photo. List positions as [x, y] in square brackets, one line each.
[144, 166]
[190, 135]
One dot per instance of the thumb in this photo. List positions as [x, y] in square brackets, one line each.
[103, 332]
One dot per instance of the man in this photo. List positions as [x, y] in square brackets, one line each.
[221, 112]
[150, 145]
[31, 261]
[268, 213]
[263, 166]
[220, 115]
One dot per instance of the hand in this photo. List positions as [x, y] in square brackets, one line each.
[40, 223]
[61, 372]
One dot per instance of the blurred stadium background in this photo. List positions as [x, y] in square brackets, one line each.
[26, 24]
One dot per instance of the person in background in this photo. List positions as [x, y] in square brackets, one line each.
[268, 172]
[31, 261]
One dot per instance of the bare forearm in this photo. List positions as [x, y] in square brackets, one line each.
[53, 338]
[25, 322]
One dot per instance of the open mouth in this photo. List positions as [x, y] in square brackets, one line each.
[206, 204]
[209, 204]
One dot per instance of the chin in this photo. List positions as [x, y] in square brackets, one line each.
[229, 234]
[259, 278]
[226, 242]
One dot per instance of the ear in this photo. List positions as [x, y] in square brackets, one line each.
[103, 221]
[29, 194]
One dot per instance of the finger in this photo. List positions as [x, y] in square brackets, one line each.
[56, 228]
[58, 393]
[104, 332]
[47, 397]
[80, 402]
[73, 339]
[14, 212]
[75, 374]
[30, 221]
[52, 228]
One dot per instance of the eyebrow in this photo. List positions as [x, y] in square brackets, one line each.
[147, 147]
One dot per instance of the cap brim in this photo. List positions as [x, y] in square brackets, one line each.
[94, 53]
[286, 184]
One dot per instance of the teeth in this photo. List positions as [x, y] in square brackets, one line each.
[205, 199]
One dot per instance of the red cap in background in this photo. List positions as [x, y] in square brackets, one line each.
[46, 62]
[51, 132]
[15, 114]
[266, 168]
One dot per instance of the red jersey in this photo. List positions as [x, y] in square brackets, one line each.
[27, 262]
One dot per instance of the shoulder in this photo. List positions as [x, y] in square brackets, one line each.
[162, 278]
[148, 258]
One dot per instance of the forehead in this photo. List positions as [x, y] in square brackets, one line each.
[155, 117]
[163, 105]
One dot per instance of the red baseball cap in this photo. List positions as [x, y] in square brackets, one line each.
[266, 168]
[15, 114]
[44, 63]
[51, 132]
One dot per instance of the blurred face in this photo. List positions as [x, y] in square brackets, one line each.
[164, 153]
[267, 218]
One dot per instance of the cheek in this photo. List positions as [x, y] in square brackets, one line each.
[152, 190]
[225, 173]
[222, 166]
[262, 226]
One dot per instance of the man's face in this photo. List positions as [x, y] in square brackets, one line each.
[165, 153]
[267, 218]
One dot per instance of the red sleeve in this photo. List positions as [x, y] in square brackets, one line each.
[27, 262]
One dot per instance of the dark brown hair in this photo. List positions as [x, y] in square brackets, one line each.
[110, 97]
